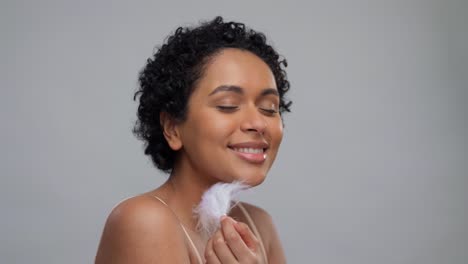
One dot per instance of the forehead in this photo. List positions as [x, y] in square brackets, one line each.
[236, 67]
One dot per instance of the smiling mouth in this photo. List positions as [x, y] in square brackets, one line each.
[249, 150]
[251, 155]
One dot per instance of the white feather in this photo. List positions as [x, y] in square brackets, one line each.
[216, 202]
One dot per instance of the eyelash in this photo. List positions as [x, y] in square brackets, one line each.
[234, 108]
[269, 111]
[225, 108]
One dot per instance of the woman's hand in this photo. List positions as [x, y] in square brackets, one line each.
[234, 242]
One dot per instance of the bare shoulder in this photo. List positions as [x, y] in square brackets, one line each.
[269, 235]
[257, 213]
[141, 230]
[262, 219]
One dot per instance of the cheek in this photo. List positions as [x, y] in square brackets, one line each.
[222, 124]
[219, 125]
[277, 131]
[209, 127]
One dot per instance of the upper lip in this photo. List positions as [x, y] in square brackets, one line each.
[251, 144]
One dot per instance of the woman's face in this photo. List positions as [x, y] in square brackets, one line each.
[233, 128]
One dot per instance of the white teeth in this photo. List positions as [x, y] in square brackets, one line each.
[249, 150]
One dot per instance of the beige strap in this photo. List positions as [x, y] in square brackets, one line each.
[255, 230]
[193, 245]
[185, 231]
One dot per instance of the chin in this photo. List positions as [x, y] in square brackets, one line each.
[254, 180]
[258, 182]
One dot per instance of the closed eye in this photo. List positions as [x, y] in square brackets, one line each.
[227, 108]
[269, 111]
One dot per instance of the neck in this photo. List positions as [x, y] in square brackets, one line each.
[183, 191]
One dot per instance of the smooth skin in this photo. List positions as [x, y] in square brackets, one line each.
[143, 230]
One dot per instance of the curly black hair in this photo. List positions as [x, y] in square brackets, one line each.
[169, 76]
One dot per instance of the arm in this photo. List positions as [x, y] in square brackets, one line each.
[275, 249]
[140, 230]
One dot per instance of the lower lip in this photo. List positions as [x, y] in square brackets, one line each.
[256, 158]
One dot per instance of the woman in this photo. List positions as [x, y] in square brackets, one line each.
[210, 109]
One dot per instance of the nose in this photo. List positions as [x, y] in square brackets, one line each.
[254, 121]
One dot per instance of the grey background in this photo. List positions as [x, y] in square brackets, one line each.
[373, 166]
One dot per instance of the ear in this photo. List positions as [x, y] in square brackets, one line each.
[170, 131]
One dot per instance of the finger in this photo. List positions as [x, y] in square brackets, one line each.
[223, 252]
[247, 236]
[234, 240]
[210, 255]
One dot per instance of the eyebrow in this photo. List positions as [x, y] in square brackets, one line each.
[228, 88]
[238, 90]
[268, 91]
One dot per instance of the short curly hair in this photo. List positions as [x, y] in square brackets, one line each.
[169, 76]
